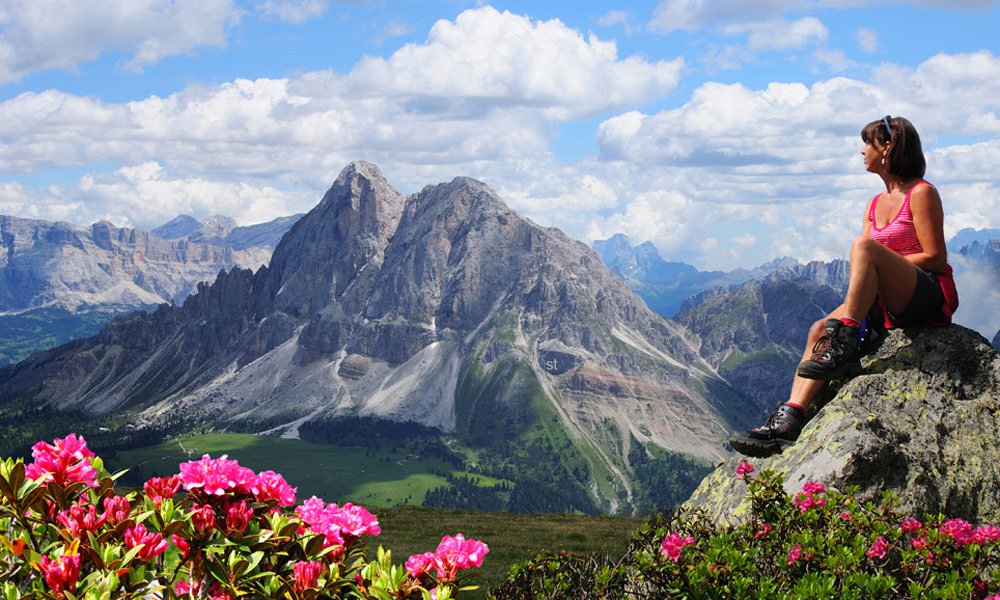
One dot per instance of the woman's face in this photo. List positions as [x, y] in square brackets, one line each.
[874, 152]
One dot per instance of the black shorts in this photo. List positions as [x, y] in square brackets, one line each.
[925, 305]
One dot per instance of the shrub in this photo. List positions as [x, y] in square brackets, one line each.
[214, 530]
[817, 543]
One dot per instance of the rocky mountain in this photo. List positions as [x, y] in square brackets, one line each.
[921, 420]
[444, 308]
[224, 232]
[60, 281]
[665, 285]
[46, 263]
[753, 333]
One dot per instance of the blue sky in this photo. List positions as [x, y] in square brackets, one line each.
[725, 132]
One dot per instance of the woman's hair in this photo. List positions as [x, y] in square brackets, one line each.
[906, 156]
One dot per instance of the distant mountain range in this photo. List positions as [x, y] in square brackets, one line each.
[59, 281]
[444, 308]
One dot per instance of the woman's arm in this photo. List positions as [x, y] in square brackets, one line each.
[928, 219]
[866, 225]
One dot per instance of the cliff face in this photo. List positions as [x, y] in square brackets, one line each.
[922, 420]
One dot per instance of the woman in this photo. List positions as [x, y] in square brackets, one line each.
[898, 263]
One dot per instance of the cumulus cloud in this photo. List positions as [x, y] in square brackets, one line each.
[45, 34]
[488, 59]
[691, 15]
[780, 34]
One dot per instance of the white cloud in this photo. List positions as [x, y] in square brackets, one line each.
[486, 60]
[867, 40]
[613, 17]
[45, 34]
[780, 34]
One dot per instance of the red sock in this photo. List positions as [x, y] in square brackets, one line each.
[798, 407]
[850, 322]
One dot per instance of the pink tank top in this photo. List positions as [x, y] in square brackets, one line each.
[899, 234]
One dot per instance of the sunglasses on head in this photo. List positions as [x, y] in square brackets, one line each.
[888, 127]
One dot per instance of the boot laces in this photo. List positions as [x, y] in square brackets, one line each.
[822, 347]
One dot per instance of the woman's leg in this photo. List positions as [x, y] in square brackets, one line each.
[877, 271]
[804, 390]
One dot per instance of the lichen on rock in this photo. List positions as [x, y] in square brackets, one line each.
[921, 420]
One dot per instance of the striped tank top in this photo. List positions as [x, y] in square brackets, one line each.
[899, 234]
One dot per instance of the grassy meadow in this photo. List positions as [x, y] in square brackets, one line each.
[392, 485]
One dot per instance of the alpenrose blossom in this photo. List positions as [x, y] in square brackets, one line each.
[794, 554]
[159, 489]
[744, 469]
[116, 509]
[202, 518]
[673, 544]
[64, 462]
[340, 525]
[80, 518]
[238, 516]
[217, 476]
[809, 496]
[878, 549]
[152, 543]
[272, 486]
[453, 554]
[910, 525]
[306, 574]
[60, 573]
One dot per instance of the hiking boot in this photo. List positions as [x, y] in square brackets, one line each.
[835, 355]
[780, 431]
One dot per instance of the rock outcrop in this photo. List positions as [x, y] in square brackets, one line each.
[922, 421]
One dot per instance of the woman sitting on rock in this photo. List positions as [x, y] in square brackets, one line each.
[898, 263]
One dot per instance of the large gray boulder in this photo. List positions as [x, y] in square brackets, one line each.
[922, 421]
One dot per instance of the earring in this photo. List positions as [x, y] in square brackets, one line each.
[883, 160]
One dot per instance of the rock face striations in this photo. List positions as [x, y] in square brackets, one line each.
[445, 308]
[921, 420]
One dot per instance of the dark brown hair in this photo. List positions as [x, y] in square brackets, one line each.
[906, 156]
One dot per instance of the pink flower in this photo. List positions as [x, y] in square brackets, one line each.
[463, 553]
[420, 566]
[160, 488]
[959, 530]
[813, 487]
[878, 549]
[181, 544]
[986, 534]
[238, 516]
[306, 574]
[744, 469]
[217, 476]
[272, 486]
[453, 554]
[79, 519]
[794, 554]
[910, 525]
[68, 461]
[846, 516]
[187, 588]
[61, 573]
[918, 543]
[340, 525]
[993, 597]
[116, 509]
[202, 518]
[152, 543]
[808, 497]
[764, 531]
[673, 544]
